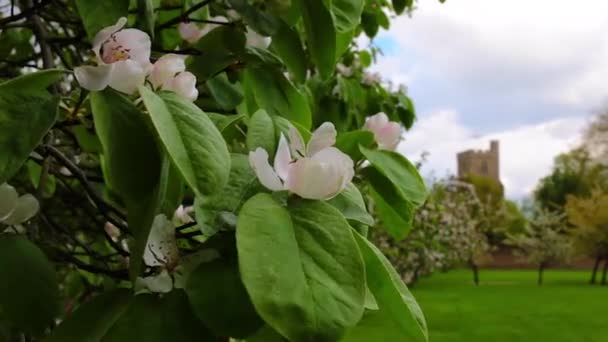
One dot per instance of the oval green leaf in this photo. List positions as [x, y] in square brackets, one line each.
[29, 293]
[301, 268]
[192, 141]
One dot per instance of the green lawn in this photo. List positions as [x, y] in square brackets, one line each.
[509, 306]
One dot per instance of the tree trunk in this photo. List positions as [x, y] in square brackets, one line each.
[598, 259]
[604, 272]
[541, 269]
[475, 273]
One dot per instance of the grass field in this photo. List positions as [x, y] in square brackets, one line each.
[509, 306]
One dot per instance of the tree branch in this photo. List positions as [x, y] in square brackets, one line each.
[104, 207]
[25, 13]
[184, 16]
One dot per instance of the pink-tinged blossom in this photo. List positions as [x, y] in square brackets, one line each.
[314, 171]
[386, 133]
[169, 73]
[123, 59]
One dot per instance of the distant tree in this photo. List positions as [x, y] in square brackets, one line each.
[574, 173]
[491, 198]
[595, 138]
[589, 216]
[544, 241]
[448, 231]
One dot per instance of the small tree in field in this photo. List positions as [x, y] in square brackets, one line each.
[589, 216]
[447, 231]
[544, 241]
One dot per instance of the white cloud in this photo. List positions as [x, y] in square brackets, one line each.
[526, 152]
[554, 50]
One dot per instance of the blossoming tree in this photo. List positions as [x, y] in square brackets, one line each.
[200, 170]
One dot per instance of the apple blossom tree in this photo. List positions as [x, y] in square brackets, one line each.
[201, 170]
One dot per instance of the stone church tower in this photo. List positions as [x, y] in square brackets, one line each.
[480, 163]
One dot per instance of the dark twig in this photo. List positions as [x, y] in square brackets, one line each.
[24, 14]
[184, 16]
[104, 207]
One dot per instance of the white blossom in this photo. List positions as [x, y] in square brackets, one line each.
[169, 73]
[15, 209]
[255, 39]
[313, 171]
[386, 133]
[123, 57]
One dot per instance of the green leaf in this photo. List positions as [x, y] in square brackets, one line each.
[154, 319]
[87, 140]
[399, 318]
[97, 15]
[260, 132]
[132, 163]
[349, 142]
[226, 94]
[24, 120]
[395, 212]
[91, 321]
[266, 334]
[343, 42]
[400, 5]
[219, 49]
[227, 124]
[346, 14]
[29, 293]
[399, 171]
[406, 111]
[350, 203]
[211, 211]
[27, 112]
[274, 93]
[365, 57]
[383, 20]
[222, 302]
[310, 262]
[287, 44]
[34, 171]
[192, 141]
[320, 35]
[261, 21]
[369, 22]
[145, 16]
[35, 83]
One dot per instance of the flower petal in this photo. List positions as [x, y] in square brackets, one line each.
[386, 133]
[322, 137]
[137, 42]
[182, 215]
[375, 122]
[296, 143]
[165, 69]
[160, 283]
[126, 76]
[93, 77]
[105, 34]
[8, 200]
[321, 177]
[282, 158]
[26, 207]
[190, 32]
[184, 85]
[258, 160]
[257, 40]
[389, 136]
[161, 248]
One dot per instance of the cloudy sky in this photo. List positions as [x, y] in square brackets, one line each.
[527, 72]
